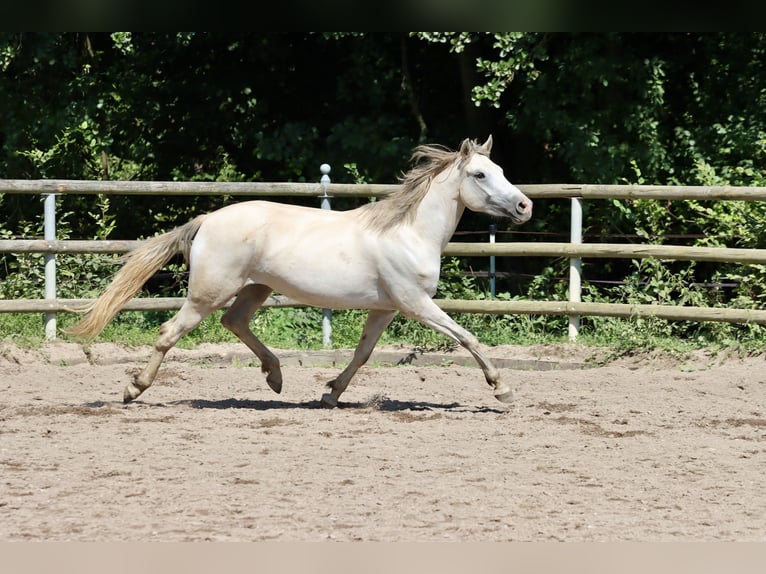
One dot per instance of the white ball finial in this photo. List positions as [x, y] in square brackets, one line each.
[325, 168]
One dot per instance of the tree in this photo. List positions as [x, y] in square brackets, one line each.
[588, 108]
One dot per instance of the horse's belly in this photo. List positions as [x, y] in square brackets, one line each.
[329, 289]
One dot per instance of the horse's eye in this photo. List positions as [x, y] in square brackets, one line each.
[479, 175]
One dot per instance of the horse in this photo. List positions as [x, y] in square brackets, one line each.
[383, 256]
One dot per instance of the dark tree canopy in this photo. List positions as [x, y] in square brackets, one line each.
[661, 108]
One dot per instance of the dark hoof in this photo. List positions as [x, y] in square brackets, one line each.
[276, 386]
[328, 401]
[274, 380]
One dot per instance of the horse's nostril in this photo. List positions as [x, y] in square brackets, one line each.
[524, 206]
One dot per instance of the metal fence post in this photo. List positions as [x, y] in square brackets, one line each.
[49, 233]
[575, 266]
[492, 232]
[326, 313]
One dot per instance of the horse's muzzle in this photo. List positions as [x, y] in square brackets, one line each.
[522, 212]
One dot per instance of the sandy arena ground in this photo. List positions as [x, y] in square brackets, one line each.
[643, 448]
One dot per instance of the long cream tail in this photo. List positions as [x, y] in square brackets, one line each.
[141, 264]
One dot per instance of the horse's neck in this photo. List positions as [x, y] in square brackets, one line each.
[440, 210]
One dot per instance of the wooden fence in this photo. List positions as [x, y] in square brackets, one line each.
[575, 250]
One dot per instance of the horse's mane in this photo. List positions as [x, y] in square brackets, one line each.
[401, 205]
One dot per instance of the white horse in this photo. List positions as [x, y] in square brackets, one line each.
[384, 256]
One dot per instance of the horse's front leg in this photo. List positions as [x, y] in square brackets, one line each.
[429, 313]
[376, 323]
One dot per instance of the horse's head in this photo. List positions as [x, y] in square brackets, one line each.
[484, 188]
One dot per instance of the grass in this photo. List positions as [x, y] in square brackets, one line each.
[289, 328]
[300, 328]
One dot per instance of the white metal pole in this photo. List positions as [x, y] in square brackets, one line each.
[326, 313]
[575, 267]
[492, 290]
[49, 233]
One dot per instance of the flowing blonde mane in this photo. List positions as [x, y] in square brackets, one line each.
[400, 206]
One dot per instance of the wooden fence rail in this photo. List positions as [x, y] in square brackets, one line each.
[463, 249]
[573, 250]
[561, 308]
[298, 189]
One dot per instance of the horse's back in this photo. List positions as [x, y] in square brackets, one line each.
[317, 256]
[261, 212]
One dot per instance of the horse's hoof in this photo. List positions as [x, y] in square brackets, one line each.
[328, 401]
[504, 395]
[131, 392]
[274, 379]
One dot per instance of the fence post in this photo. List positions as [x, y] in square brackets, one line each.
[575, 266]
[49, 233]
[326, 313]
[492, 232]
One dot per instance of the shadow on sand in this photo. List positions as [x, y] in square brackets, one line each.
[378, 404]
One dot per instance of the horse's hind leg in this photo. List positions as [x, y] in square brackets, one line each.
[188, 317]
[237, 320]
[376, 323]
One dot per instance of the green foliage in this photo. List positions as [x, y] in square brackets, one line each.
[77, 275]
[658, 108]
[22, 329]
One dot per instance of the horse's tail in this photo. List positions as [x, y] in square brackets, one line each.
[140, 264]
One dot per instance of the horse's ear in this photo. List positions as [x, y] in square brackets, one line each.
[488, 144]
[466, 147]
